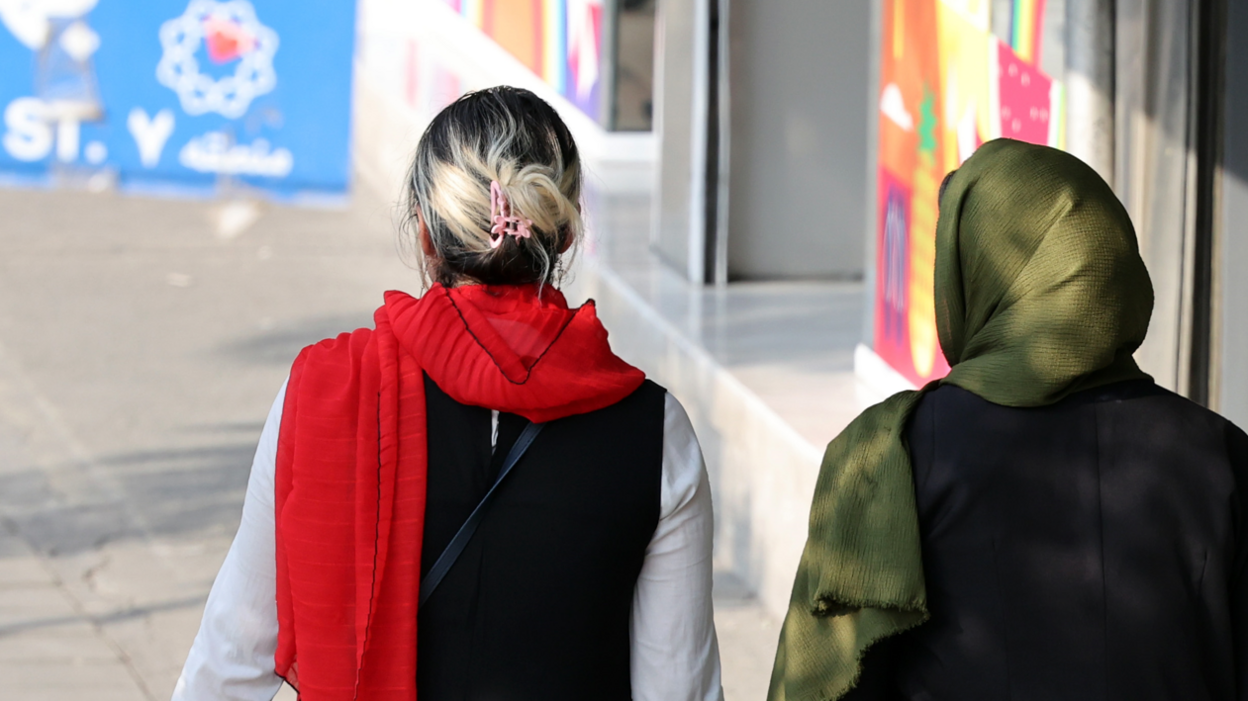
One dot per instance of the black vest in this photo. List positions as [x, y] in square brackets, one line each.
[539, 604]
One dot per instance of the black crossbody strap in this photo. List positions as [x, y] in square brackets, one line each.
[460, 541]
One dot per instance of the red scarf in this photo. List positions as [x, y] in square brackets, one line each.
[352, 461]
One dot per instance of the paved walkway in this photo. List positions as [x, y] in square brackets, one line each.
[141, 343]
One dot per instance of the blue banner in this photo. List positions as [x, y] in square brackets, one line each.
[179, 94]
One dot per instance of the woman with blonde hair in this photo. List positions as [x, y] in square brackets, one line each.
[476, 499]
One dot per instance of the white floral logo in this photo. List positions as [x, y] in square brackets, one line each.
[230, 33]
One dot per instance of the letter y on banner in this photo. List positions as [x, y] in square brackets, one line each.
[150, 134]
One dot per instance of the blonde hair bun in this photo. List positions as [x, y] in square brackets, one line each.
[509, 136]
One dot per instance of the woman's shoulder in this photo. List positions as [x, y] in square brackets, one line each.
[343, 350]
[648, 403]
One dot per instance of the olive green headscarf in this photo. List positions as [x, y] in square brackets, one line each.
[1040, 292]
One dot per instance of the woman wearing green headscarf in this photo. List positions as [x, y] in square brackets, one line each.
[1045, 522]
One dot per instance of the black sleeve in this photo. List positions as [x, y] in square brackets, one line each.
[1237, 447]
[878, 672]
[920, 439]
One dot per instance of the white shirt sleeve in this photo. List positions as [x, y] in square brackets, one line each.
[232, 656]
[675, 654]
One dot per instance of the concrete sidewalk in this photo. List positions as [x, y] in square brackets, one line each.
[141, 344]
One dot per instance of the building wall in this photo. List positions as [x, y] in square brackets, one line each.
[680, 112]
[1231, 258]
[799, 83]
[1155, 172]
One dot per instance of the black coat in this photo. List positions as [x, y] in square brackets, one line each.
[1093, 549]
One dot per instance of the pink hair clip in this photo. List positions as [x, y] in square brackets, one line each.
[504, 222]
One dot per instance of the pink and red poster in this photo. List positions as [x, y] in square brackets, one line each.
[559, 40]
[947, 85]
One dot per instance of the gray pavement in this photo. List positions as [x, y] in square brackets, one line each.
[141, 343]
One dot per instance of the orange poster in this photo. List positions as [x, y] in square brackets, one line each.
[946, 86]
